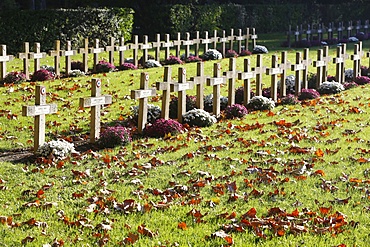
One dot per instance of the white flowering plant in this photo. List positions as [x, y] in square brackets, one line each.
[212, 54]
[331, 87]
[260, 49]
[76, 73]
[290, 84]
[198, 117]
[57, 149]
[348, 75]
[151, 63]
[154, 112]
[260, 103]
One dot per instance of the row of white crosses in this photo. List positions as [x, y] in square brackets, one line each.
[40, 109]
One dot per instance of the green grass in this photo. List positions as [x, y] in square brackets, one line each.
[225, 153]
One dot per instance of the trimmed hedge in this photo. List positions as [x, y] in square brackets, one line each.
[46, 26]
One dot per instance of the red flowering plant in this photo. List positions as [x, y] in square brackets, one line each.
[349, 85]
[192, 59]
[162, 127]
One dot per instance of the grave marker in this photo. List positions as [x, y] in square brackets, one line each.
[366, 26]
[320, 31]
[110, 49]
[216, 81]
[199, 81]
[135, 47]
[231, 75]
[36, 56]
[246, 76]
[239, 38]
[320, 63]
[167, 44]
[223, 41]
[25, 58]
[274, 71]
[197, 41]
[4, 58]
[95, 102]
[181, 88]
[206, 41]
[56, 54]
[284, 65]
[96, 50]
[142, 95]
[231, 38]
[121, 48]
[340, 30]
[157, 45]
[214, 39]
[330, 31]
[85, 55]
[177, 44]
[166, 92]
[356, 58]
[349, 29]
[246, 39]
[339, 63]
[301, 65]
[259, 71]
[254, 38]
[38, 111]
[187, 43]
[145, 46]
[327, 60]
[308, 32]
[68, 53]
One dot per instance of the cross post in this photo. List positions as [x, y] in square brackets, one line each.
[254, 38]
[246, 76]
[145, 46]
[197, 41]
[274, 71]
[68, 53]
[167, 45]
[36, 56]
[259, 71]
[157, 45]
[231, 75]
[356, 58]
[298, 67]
[177, 44]
[205, 41]
[223, 41]
[166, 92]
[135, 47]
[96, 50]
[121, 48]
[339, 63]
[319, 64]
[199, 81]
[25, 58]
[38, 111]
[110, 49]
[284, 65]
[56, 54]
[240, 37]
[216, 81]
[4, 58]
[187, 43]
[95, 102]
[231, 39]
[85, 55]
[214, 40]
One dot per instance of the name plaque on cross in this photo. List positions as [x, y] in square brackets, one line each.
[223, 39]
[38, 55]
[39, 110]
[274, 71]
[143, 93]
[69, 53]
[300, 67]
[146, 46]
[319, 63]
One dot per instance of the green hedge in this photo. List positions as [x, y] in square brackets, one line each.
[46, 26]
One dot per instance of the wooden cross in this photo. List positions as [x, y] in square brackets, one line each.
[330, 31]
[95, 102]
[110, 49]
[320, 63]
[366, 26]
[259, 71]
[254, 38]
[319, 32]
[297, 35]
[214, 40]
[284, 65]
[358, 26]
[223, 41]
[25, 57]
[181, 88]
[246, 76]
[4, 58]
[308, 32]
[327, 60]
[274, 71]
[301, 65]
[340, 30]
[231, 39]
[68, 53]
[39, 110]
[356, 58]
[96, 50]
[121, 48]
[142, 95]
[157, 45]
[246, 39]
[177, 44]
[85, 55]
[197, 41]
[56, 54]
[167, 44]
[166, 92]
[135, 48]
[145, 46]
[349, 29]
[339, 64]
[240, 37]
[187, 43]
[36, 56]
[200, 80]
[231, 75]
[206, 41]
[216, 81]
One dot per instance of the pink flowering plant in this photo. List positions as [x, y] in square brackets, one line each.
[127, 66]
[172, 60]
[239, 95]
[231, 53]
[290, 99]
[362, 80]
[42, 75]
[114, 136]
[104, 66]
[245, 53]
[14, 78]
[235, 111]
[192, 59]
[349, 85]
[162, 127]
[307, 94]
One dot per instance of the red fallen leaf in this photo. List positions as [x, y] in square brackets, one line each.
[40, 194]
[131, 239]
[145, 231]
[341, 245]
[60, 164]
[276, 211]
[27, 239]
[319, 172]
[280, 232]
[362, 160]
[319, 153]
[325, 210]
[270, 114]
[77, 195]
[295, 213]
[250, 214]
[224, 235]
[106, 159]
[355, 180]
[182, 226]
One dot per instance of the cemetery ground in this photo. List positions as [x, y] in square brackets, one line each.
[294, 176]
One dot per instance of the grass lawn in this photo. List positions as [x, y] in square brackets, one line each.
[295, 176]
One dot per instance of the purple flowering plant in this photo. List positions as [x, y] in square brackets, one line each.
[231, 53]
[192, 59]
[42, 75]
[77, 65]
[349, 85]
[245, 53]
[14, 77]
[235, 111]
[104, 66]
[239, 95]
[114, 136]
[172, 60]
[127, 66]
[290, 99]
[162, 127]
[362, 80]
[307, 94]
